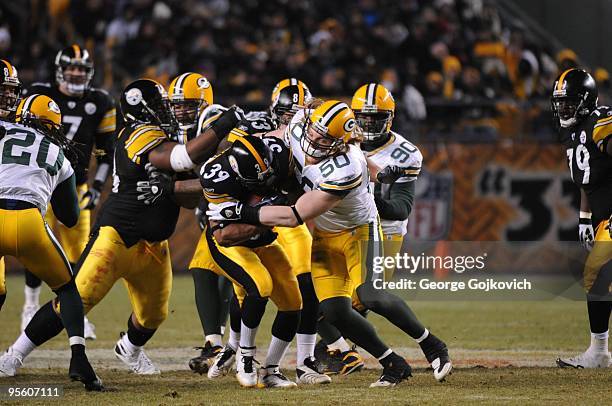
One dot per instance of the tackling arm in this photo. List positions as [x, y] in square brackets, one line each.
[308, 206]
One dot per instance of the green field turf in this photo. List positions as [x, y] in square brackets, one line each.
[503, 352]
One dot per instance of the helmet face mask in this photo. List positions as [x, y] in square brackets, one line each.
[145, 101]
[567, 110]
[374, 125]
[74, 70]
[9, 99]
[10, 89]
[317, 143]
[186, 112]
[574, 97]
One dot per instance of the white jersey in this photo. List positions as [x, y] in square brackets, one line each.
[31, 166]
[396, 151]
[344, 174]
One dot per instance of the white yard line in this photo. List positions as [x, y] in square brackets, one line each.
[175, 359]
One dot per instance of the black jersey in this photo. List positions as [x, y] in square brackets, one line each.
[221, 185]
[590, 165]
[132, 218]
[88, 120]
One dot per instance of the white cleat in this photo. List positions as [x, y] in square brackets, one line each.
[308, 374]
[26, 315]
[10, 362]
[271, 377]
[588, 359]
[246, 373]
[223, 363]
[137, 361]
[442, 367]
[89, 331]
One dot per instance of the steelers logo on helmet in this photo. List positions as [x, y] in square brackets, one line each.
[133, 96]
[328, 128]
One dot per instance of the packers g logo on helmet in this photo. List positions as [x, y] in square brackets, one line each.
[328, 127]
[189, 93]
[40, 108]
[374, 108]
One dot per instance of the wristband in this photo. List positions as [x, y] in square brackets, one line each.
[297, 215]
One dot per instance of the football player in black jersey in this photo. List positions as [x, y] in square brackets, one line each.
[250, 256]
[89, 119]
[129, 240]
[585, 130]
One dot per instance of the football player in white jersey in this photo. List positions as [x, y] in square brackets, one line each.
[374, 109]
[34, 172]
[334, 176]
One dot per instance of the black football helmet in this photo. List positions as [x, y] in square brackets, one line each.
[10, 89]
[74, 56]
[251, 161]
[287, 97]
[574, 97]
[146, 101]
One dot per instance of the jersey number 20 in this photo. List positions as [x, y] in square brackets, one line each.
[11, 153]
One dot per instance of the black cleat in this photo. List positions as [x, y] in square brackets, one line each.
[343, 363]
[395, 372]
[201, 364]
[321, 352]
[82, 371]
[437, 355]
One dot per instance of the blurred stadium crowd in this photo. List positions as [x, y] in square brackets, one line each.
[455, 66]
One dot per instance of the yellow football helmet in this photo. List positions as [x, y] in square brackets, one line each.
[374, 109]
[10, 89]
[287, 97]
[189, 93]
[41, 108]
[328, 127]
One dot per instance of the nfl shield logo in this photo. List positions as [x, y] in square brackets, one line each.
[431, 215]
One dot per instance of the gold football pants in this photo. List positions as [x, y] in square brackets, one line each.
[144, 267]
[73, 239]
[265, 271]
[342, 261]
[25, 235]
[599, 256]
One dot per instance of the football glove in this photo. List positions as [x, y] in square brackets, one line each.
[159, 184]
[585, 232]
[390, 174]
[227, 121]
[610, 226]
[233, 211]
[90, 199]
